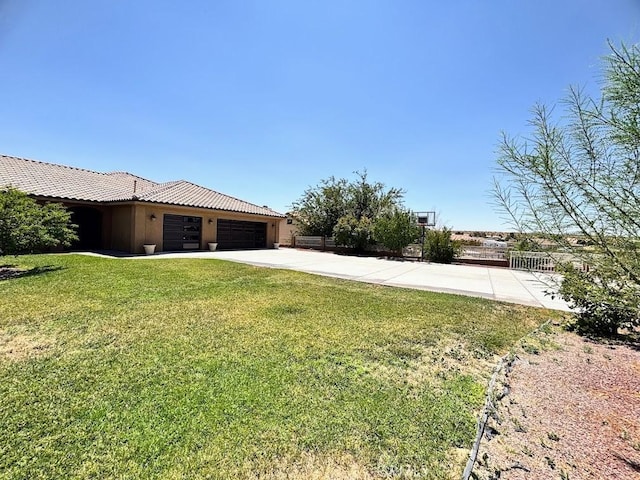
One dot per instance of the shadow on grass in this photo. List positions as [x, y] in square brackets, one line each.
[9, 272]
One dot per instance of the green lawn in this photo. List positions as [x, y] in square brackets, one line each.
[209, 369]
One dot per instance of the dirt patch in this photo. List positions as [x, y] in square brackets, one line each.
[570, 410]
[415, 364]
[20, 347]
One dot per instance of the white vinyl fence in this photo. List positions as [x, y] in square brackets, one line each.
[544, 261]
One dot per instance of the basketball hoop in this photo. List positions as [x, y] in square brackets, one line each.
[426, 219]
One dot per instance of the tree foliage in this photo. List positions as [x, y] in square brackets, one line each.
[320, 207]
[353, 232]
[349, 210]
[27, 227]
[396, 229]
[580, 175]
[371, 200]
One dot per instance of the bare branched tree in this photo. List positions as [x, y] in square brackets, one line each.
[576, 179]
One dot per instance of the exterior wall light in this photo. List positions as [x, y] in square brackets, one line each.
[210, 221]
[153, 217]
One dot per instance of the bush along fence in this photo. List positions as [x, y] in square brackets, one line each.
[329, 244]
[496, 256]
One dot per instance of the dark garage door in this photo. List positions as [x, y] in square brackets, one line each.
[234, 234]
[181, 233]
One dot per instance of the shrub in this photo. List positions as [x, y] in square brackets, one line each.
[396, 230]
[27, 227]
[353, 232]
[602, 307]
[439, 247]
[576, 174]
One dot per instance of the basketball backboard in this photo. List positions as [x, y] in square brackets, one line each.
[426, 219]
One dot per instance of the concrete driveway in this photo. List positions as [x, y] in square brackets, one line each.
[494, 283]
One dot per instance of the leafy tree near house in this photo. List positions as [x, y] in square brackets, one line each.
[396, 229]
[580, 175]
[371, 199]
[320, 207]
[354, 232]
[367, 203]
[346, 210]
[27, 227]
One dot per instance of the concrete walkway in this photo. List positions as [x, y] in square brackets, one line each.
[494, 283]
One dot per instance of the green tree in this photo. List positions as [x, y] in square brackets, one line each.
[396, 229]
[367, 199]
[353, 232]
[439, 247]
[366, 203]
[580, 175]
[26, 226]
[347, 210]
[320, 207]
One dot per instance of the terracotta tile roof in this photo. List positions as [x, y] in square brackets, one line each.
[70, 183]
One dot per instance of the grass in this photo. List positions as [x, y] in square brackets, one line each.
[208, 369]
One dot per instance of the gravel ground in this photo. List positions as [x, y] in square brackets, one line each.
[568, 408]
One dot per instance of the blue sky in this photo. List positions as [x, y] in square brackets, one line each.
[261, 99]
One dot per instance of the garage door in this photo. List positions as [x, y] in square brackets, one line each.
[180, 232]
[234, 234]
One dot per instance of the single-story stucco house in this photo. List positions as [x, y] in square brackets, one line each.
[121, 211]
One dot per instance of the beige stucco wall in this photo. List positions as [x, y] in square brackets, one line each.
[287, 231]
[128, 226]
[121, 223]
[148, 231]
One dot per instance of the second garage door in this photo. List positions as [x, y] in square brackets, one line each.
[235, 234]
